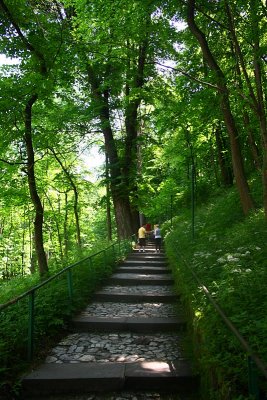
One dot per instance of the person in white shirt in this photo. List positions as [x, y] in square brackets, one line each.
[157, 236]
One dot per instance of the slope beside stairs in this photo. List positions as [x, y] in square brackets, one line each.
[129, 339]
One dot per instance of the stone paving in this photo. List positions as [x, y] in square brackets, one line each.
[116, 347]
[130, 310]
[140, 289]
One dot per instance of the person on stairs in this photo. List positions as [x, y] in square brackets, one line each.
[157, 236]
[142, 237]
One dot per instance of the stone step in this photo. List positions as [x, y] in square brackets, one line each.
[84, 378]
[128, 324]
[144, 263]
[149, 246]
[149, 250]
[132, 310]
[112, 347]
[152, 255]
[157, 292]
[142, 269]
[150, 260]
[133, 298]
[136, 279]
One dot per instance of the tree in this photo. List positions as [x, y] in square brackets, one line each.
[26, 35]
[223, 92]
[118, 54]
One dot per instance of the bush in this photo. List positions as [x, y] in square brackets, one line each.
[228, 256]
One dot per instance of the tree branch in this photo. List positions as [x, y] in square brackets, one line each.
[12, 162]
[189, 76]
[26, 43]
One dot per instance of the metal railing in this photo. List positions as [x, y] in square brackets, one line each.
[254, 363]
[123, 246]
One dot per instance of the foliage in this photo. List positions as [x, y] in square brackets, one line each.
[228, 255]
[133, 72]
[53, 308]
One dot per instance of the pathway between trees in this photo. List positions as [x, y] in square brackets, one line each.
[127, 344]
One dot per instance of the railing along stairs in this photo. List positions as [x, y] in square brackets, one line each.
[114, 252]
[254, 363]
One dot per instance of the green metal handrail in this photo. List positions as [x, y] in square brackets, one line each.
[253, 360]
[68, 270]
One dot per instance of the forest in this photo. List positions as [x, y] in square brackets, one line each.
[170, 98]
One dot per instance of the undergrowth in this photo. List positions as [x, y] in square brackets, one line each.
[53, 309]
[228, 254]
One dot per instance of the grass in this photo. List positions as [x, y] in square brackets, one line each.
[229, 257]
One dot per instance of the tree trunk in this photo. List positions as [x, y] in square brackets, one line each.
[237, 160]
[122, 216]
[23, 244]
[57, 226]
[118, 187]
[240, 65]
[65, 234]
[119, 190]
[255, 154]
[108, 210]
[260, 97]
[131, 123]
[226, 172]
[76, 198]
[39, 212]
[214, 164]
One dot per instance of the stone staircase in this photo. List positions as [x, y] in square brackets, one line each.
[129, 339]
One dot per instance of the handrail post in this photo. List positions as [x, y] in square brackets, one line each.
[31, 325]
[253, 379]
[70, 285]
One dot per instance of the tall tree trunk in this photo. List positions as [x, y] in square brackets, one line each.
[240, 65]
[260, 97]
[131, 123]
[56, 214]
[258, 103]
[65, 229]
[23, 244]
[109, 227]
[39, 212]
[32, 251]
[119, 190]
[226, 171]
[237, 160]
[130, 168]
[76, 198]
[255, 154]
[214, 164]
